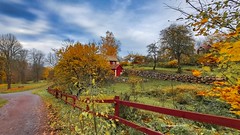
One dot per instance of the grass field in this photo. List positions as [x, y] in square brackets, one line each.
[2, 102]
[170, 94]
[22, 87]
[185, 69]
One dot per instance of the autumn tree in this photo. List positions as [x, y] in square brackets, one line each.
[79, 64]
[210, 17]
[153, 53]
[109, 45]
[178, 40]
[9, 48]
[37, 62]
[47, 73]
[138, 59]
[134, 58]
[220, 17]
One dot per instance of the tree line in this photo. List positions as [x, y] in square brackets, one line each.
[176, 43]
[19, 65]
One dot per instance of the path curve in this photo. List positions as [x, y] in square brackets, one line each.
[24, 114]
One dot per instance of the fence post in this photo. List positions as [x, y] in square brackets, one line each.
[87, 107]
[66, 99]
[74, 102]
[117, 106]
[56, 95]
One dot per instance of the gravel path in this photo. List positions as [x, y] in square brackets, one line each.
[24, 114]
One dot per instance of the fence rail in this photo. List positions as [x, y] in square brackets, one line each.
[206, 118]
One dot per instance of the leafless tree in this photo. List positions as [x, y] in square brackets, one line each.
[37, 62]
[153, 52]
[9, 48]
[21, 63]
[52, 59]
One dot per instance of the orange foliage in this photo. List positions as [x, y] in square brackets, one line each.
[224, 53]
[196, 73]
[110, 45]
[80, 63]
[227, 57]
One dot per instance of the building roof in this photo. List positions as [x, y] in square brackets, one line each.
[115, 66]
[112, 58]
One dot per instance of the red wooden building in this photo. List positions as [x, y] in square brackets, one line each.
[115, 66]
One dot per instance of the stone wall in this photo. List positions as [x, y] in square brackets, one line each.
[176, 77]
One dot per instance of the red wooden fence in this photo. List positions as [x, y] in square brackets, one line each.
[211, 119]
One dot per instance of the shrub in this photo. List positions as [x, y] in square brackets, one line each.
[124, 63]
[183, 98]
[172, 64]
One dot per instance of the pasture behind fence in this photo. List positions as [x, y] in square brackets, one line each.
[206, 118]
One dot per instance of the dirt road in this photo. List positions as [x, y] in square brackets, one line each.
[24, 114]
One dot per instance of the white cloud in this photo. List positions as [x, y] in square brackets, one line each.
[22, 26]
[134, 28]
[45, 44]
[128, 26]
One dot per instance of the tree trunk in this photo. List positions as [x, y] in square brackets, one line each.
[179, 70]
[9, 80]
[8, 75]
[154, 65]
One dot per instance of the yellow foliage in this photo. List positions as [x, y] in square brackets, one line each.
[196, 73]
[46, 72]
[201, 93]
[206, 68]
[81, 63]
[204, 20]
[109, 45]
[225, 51]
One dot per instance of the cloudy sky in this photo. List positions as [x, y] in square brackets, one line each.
[44, 24]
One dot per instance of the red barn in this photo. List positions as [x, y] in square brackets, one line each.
[115, 66]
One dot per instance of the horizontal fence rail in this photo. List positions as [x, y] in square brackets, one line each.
[206, 118]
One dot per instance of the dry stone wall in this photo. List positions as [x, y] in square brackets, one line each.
[176, 77]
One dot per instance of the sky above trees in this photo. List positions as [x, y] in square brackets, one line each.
[45, 24]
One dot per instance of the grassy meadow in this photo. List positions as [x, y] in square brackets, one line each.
[22, 87]
[170, 94]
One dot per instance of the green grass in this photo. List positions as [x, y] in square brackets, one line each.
[62, 116]
[22, 87]
[2, 102]
[63, 119]
[148, 87]
[185, 69]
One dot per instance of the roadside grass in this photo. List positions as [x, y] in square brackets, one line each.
[63, 119]
[22, 87]
[3, 102]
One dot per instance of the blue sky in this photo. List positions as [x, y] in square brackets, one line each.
[44, 24]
